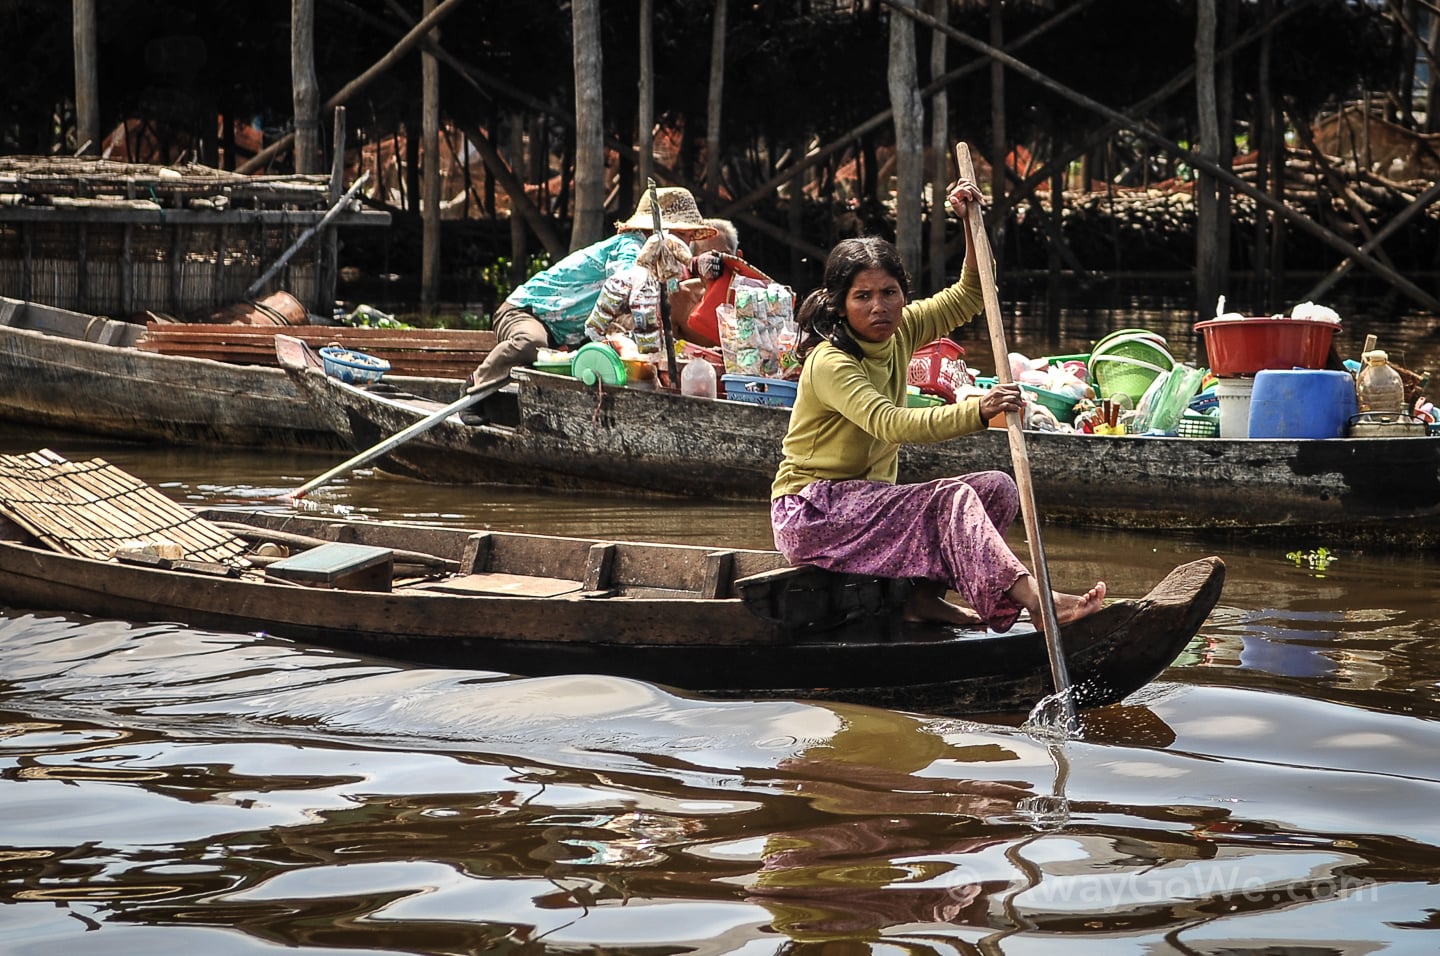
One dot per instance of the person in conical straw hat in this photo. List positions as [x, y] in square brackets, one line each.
[551, 309]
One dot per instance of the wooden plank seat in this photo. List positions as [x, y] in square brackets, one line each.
[476, 578]
[338, 565]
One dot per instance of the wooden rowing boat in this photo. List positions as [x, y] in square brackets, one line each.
[98, 376]
[726, 623]
[552, 430]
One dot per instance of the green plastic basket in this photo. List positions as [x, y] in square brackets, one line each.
[1197, 425]
[1127, 362]
[1062, 405]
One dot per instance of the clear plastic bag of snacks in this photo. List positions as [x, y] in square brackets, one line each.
[756, 326]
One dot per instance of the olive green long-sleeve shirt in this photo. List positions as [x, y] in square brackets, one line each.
[850, 416]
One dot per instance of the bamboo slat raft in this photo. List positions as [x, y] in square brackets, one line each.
[92, 509]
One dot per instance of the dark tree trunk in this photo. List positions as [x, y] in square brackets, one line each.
[305, 89]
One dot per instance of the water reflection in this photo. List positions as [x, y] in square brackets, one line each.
[167, 788]
[175, 783]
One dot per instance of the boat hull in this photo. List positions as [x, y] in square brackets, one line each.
[1344, 492]
[81, 373]
[711, 646]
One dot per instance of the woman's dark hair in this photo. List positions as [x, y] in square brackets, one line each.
[821, 316]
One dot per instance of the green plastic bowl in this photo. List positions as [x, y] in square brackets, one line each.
[1062, 405]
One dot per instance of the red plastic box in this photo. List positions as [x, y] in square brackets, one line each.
[938, 369]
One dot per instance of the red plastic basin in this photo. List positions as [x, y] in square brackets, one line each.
[1246, 346]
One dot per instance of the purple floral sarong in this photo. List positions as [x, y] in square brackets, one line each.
[950, 530]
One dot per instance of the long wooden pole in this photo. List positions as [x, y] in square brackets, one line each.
[430, 233]
[305, 95]
[304, 237]
[1015, 429]
[1419, 205]
[395, 440]
[666, 333]
[87, 70]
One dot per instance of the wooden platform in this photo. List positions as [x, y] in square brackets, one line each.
[429, 353]
[111, 238]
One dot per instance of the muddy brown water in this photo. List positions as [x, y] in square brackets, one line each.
[166, 788]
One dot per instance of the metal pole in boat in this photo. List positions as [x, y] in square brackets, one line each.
[1015, 429]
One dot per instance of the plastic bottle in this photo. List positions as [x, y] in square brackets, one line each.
[1378, 386]
[698, 379]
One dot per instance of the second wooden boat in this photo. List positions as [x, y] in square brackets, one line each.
[553, 430]
[90, 375]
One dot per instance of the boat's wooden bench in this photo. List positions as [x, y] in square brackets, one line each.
[474, 578]
[529, 566]
[344, 567]
[805, 596]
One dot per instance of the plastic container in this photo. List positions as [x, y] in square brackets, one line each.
[713, 356]
[598, 362]
[1128, 362]
[1245, 346]
[554, 361]
[1198, 425]
[758, 390]
[1234, 396]
[1301, 403]
[1373, 425]
[640, 373]
[353, 367]
[1378, 386]
[1061, 405]
[938, 369]
[1167, 399]
[698, 379]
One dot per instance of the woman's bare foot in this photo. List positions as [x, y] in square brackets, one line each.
[927, 603]
[1068, 607]
[1072, 607]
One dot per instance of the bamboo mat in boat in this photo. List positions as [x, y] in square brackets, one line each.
[91, 508]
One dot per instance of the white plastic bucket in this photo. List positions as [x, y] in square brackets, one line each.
[1233, 395]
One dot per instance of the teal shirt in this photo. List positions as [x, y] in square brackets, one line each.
[563, 295]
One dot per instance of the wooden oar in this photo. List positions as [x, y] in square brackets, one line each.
[395, 440]
[296, 356]
[1015, 428]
